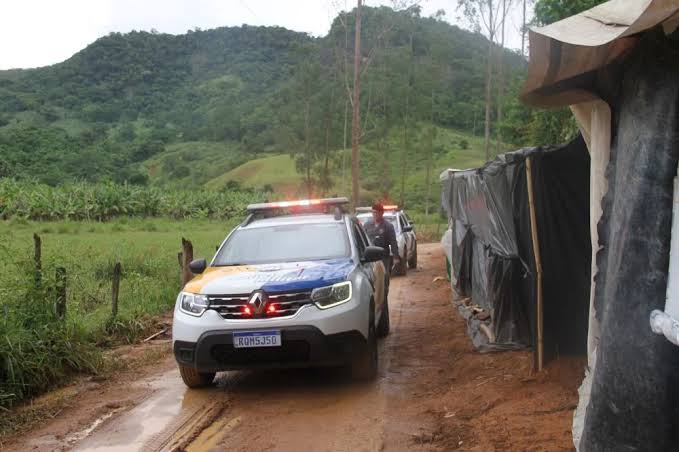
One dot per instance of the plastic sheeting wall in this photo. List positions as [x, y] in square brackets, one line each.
[492, 255]
[634, 402]
[561, 193]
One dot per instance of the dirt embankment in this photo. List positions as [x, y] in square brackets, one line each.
[434, 392]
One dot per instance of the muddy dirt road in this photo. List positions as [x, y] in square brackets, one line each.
[434, 392]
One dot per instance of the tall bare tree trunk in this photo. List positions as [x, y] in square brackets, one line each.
[386, 179]
[430, 157]
[344, 145]
[523, 31]
[406, 142]
[405, 149]
[489, 79]
[307, 146]
[356, 117]
[328, 124]
[500, 78]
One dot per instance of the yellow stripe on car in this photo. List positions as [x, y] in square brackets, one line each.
[210, 274]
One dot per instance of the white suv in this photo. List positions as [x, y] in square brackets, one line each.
[296, 284]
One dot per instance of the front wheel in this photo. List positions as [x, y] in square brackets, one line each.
[412, 262]
[384, 324]
[401, 269]
[194, 379]
[364, 366]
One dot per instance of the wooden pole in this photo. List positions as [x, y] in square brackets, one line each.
[115, 290]
[538, 262]
[60, 304]
[356, 115]
[187, 257]
[37, 257]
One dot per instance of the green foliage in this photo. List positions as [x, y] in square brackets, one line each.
[37, 349]
[158, 109]
[549, 11]
[105, 201]
[526, 126]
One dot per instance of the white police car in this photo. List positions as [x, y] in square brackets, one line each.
[296, 284]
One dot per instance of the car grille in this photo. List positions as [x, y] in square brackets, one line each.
[290, 351]
[230, 307]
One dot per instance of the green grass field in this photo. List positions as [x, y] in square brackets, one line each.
[38, 349]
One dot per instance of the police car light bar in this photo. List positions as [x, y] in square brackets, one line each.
[390, 207]
[299, 203]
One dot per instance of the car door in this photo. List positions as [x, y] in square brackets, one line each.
[374, 270]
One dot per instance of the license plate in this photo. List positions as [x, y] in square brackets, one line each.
[250, 339]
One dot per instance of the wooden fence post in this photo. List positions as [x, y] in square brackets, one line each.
[187, 257]
[37, 258]
[538, 264]
[60, 304]
[115, 290]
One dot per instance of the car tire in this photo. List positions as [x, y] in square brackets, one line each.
[402, 268]
[384, 324]
[364, 366]
[194, 379]
[412, 262]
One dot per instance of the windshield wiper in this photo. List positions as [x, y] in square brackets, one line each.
[230, 265]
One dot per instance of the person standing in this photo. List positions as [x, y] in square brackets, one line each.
[382, 234]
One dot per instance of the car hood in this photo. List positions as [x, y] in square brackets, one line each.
[287, 276]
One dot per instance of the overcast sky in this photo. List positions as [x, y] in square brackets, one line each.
[37, 33]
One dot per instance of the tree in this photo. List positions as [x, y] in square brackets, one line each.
[356, 109]
[483, 15]
[549, 11]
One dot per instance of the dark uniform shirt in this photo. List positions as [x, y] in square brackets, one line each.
[382, 235]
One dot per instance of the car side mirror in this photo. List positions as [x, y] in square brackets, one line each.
[373, 254]
[408, 229]
[197, 266]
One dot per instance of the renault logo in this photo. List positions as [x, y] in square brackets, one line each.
[257, 301]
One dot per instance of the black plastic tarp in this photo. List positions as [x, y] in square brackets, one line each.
[493, 260]
[634, 402]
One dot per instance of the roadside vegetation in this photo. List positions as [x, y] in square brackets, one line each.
[28, 200]
[38, 348]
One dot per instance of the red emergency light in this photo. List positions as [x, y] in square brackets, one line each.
[390, 207]
[271, 309]
[298, 203]
[247, 310]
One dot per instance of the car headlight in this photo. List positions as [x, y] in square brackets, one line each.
[329, 296]
[193, 304]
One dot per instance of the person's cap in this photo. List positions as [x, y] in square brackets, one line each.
[377, 207]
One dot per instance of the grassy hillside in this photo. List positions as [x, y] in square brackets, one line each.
[451, 149]
[186, 109]
[192, 164]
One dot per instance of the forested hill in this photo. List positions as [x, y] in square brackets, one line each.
[246, 91]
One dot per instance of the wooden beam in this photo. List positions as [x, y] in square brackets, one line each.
[538, 263]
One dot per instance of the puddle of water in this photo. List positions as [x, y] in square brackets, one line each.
[167, 409]
[79, 436]
[213, 435]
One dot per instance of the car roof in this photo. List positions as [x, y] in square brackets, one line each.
[318, 218]
[386, 214]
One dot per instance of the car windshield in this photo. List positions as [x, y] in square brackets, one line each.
[362, 218]
[285, 243]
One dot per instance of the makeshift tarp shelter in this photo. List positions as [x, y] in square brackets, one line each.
[532, 199]
[617, 67]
